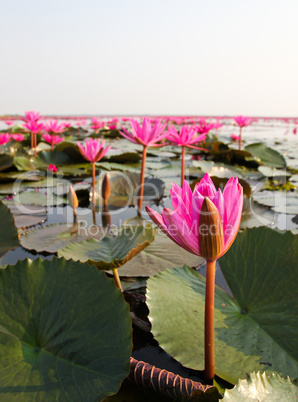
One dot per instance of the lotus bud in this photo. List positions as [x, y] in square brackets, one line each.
[106, 188]
[72, 198]
[211, 239]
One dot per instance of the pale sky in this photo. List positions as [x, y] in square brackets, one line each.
[191, 57]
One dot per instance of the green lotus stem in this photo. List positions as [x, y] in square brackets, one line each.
[74, 215]
[117, 279]
[141, 191]
[94, 216]
[240, 138]
[209, 322]
[182, 165]
[93, 183]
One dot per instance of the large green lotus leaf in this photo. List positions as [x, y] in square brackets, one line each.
[162, 254]
[118, 156]
[263, 388]
[112, 251]
[280, 201]
[8, 232]
[254, 330]
[49, 181]
[23, 163]
[58, 158]
[6, 161]
[267, 156]
[36, 198]
[51, 238]
[124, 188]
[122, 167]
[28, 215]
[65, 332]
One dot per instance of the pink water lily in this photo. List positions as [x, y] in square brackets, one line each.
[204, 222]
[93, 151]
[34, 127]
[242, 121]
[96, 124]
[182, 224]
[30, 115]
[4, 138]
[52, 139]
[18, 137]
[235, 137]
[147, 136]
[9, 122]
[53, 126]
[185, 138]
[52, 168]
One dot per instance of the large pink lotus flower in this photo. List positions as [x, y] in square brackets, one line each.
[182, 224]
[93, 150]
[145, 135]
[52, 139]
[242, 121]
[186, 137]
[18, 137]
[30, 115]
[4, 138]
[53, 126]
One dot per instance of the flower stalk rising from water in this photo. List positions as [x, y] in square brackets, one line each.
[204, 222]
[93, 151]
[147, 136]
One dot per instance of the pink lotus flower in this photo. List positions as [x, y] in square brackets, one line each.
[235, 137]
[295, 130]
[66, 124]
[182, 224]
[242, 121]
[52, 139]
[96, 124]
[52, 168]
[53, 126]
[18, 137]
[145, 135]
[31, 116]
[94, 149]
[4, 138]
[8, 122]
[34, 127]
[186, 137]
[204, 127]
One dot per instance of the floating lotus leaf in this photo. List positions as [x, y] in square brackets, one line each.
[122, 167]
[254, 330]
[28, 215]
[51, 238]
[112, 251]
[23, 163]
[256, 215]
[118, 156]
[65, 332]
[280, 201]
[56, 157]
[267, 156]
[8, 232]
[260, 387]
[162, 254]
[36, 198]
